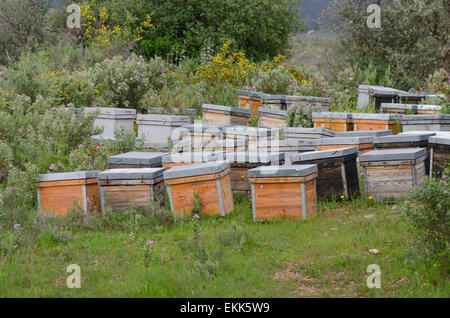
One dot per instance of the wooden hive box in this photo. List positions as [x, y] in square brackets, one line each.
[250, 100]
[57, 192]
[211, 181]
[439, 149]
[111, 119]
[364, 133]
[337, 171]
[136, 159]
[428, 109]
[432, 122]
[251, 135]
[225, 115]
[188, 158]
[285, 102]
[364, 144]
[333, 120]
[283, 192]
[392, 173]
[271, 118]
[189, 146]
[140, 186]
[158, 128]
[241, 162]
[307, 133]
[364, 121]
[405, 141]
[396, 108]
[199, 132]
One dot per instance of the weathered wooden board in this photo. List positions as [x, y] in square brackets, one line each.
[363, 148]
[339, 125]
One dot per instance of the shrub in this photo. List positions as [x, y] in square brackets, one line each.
[300, 116]
[428, 210]
[275, 81]
[22, 26]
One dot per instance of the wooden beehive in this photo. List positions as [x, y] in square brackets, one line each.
[307, 133]
[364, 144]
[364, 133]
[392, 173]
[439, 149]
[428, 109]
[431, 122]
[364, 121]
[405, 141]
[337, 171]
[241, 162]
[58, 192]
[396, 108]
[136, 159]
[188, 158]
[333, 120]
[111, 119]
[210, 181]
[225, 115]
[250, 100]
[283, 192]
[271, 118]
[158, 128]
[200, 132]
[139, 186]
[251, 135]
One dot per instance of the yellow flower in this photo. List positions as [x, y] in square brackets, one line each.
[370, 197]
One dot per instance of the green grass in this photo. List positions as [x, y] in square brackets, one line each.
[325, 256]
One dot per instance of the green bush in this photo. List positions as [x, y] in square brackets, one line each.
[301, 116]
[428, 210]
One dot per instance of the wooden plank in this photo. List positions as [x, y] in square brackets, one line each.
[59, 199]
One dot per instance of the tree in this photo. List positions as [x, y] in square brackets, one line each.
[413, 40]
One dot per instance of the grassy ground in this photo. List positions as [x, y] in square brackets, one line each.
[326, 256]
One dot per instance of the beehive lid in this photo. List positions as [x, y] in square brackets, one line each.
[61, 176]
[254, 157]
[272, 111]
[398, 106]
[372, 116]
[200, 128]
[345, 140]
[162, 118]
[112, 113]
[362, 133]
[402, 138]
[196, 170]
[429, 107]
[195, 156]
[334, 115]
[137, 158]
[439, 140]
[312, 131]
[426, 118]
[131, 174]
[227, 109]
[247, 131]
[295, 98]
[253, 94]
[393, 154]
[282, 171]
[324, 154]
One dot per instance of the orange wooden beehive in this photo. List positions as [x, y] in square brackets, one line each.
[225, 115]
[250, 100]
[336, 121]
[58, 192]
[363, 143]
[363, 121]
[283, 192]
[211, 181]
